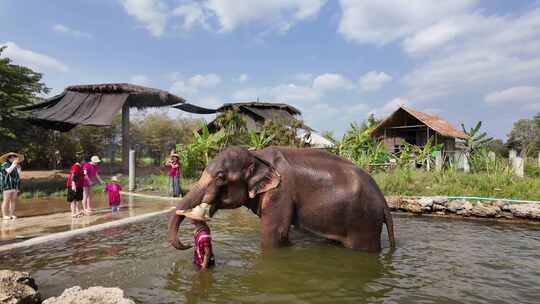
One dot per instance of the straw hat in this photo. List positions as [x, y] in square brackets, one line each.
[95, 159]
[199, 212]
[4, 157]
[175, 155]
[114, 178]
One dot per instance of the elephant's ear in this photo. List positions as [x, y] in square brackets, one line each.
[261, 177]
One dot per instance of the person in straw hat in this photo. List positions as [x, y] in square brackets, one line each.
[174, 175]
[91, 175]
[10, 182]
[203, 257]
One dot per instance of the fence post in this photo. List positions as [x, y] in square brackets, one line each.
[491, 155]
[512, 154]
[438, 161]
[519, 165]
[466, 167]
[131, 186]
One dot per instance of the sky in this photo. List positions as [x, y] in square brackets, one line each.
[337, 61]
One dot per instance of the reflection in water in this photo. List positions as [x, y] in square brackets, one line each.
[436, 261]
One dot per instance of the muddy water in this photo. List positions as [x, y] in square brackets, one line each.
[437, 261]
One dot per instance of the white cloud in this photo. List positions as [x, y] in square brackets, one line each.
[60, 28]
[432, 37]
[140, 80]
[153, 14]
[492, 50]
[192, 14]
[242, 78]
[389, 107]
[284, 92]
[281, 14]
[525, 95]
[383, 21]
[373, 81]
[193, 84]
[32, 59]
[298, 92]
[329, 82]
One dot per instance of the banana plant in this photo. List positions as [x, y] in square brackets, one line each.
[260, 140]
[475, 139]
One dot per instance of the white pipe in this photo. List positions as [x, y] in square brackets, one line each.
[72, 233]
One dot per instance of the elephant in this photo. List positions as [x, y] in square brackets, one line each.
[310, 189]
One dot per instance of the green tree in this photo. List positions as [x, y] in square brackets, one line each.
[19, 86]
[524, 136]
[234, 128]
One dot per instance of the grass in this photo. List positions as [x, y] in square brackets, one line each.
[400, 181]
[406, 181]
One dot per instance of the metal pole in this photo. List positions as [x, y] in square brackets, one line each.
[131, 170]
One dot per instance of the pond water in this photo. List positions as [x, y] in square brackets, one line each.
[437, 261]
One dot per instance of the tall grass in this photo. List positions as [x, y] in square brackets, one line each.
[416, 182]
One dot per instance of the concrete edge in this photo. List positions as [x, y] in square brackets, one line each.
[72, 233]
[168, 198]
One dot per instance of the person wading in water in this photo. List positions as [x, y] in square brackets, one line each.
[203, 257]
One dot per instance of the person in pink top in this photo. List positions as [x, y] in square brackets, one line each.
[90, 170]
[113, 190]
[174, 175]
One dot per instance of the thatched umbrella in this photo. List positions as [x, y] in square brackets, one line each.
[97, 105]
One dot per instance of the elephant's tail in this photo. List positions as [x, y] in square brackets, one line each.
[389, 226]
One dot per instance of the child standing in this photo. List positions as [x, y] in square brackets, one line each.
[113, 190]
[203, 256]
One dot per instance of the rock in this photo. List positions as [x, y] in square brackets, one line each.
[425, 202]
[92, 295]
[481, 210]
[411, 206]
[393, 202]
[440, 200]
[464, 212]
[528, 211]
[18, 287]
[438, 207]
[455, 206]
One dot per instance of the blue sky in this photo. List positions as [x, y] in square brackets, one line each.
[337, 61]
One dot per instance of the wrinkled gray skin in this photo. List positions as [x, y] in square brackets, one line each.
[310, 189]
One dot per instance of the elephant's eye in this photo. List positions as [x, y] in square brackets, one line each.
[220, 178]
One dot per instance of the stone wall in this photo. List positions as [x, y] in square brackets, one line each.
[440, 205]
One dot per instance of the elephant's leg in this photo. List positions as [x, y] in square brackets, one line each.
[276, 219]
[364, 242]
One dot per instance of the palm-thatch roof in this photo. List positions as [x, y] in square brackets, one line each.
[261, 106]
[96, 104]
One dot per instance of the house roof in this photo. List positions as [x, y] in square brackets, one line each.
[434, 122]
[260, 105]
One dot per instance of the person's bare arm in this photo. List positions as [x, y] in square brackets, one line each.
[73, 185]
[99, 179]
[206, 259]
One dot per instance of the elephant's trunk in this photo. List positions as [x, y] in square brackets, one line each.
[192, 199]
